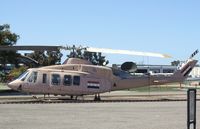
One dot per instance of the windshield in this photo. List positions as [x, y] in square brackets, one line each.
[23, 76]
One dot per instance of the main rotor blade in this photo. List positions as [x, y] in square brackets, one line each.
[127, 52]
[26, 47]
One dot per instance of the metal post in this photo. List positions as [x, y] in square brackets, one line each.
[191, 108]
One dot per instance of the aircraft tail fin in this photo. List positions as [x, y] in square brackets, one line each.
[186, 67]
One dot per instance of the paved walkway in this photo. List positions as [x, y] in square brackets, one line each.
[137, 115]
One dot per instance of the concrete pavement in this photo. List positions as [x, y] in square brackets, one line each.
[135, 115]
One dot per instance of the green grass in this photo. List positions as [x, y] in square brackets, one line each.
[156, 88]
[3, 86]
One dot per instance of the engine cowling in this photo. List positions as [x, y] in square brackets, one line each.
[129, 66]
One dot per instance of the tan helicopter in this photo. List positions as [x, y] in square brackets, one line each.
[79, 77]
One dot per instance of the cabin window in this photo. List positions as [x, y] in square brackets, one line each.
[44, 78]
[67, 80]
[55, 79]
[33, 77]
[76, 80]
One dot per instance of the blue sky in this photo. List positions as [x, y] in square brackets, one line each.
[163, 26]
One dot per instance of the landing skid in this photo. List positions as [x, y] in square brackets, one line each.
[76, 98]
[45, 96]
[97, 97]
[42, 99]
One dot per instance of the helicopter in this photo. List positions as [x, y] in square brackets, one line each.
[78, 77]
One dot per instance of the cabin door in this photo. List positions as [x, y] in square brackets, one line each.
[55, 83]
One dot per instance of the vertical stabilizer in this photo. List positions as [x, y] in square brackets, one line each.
[185, 68]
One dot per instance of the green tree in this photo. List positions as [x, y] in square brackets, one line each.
[7, 38]
[14, 73]
[94, 57]
[38, 56]
[175, 63]
[54, 57]
[46, 58]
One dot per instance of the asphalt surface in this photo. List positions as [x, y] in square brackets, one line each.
[135, 115]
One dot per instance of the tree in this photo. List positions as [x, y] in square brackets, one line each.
[175, 63]
[54, 57]
[16, 72]
[7, 38]
[39, 56]
[46, 58]
[94, 57]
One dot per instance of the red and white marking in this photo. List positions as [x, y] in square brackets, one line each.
[93, 84]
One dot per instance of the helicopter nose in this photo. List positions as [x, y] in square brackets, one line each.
[14, 85]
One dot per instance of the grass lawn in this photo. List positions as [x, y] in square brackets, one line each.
[157, 88]
[164, 88]
[3, 86]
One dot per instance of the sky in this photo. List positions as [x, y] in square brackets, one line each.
[163, 26]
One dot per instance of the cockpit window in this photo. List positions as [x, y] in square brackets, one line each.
[23, 76]
[33, 77]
